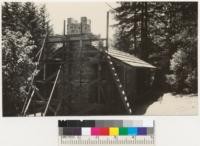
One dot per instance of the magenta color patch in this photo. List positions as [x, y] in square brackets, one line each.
[95, 131]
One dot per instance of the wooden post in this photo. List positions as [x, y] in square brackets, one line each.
[124, 78]
[99, 85]
[64, 27]
[107, 32]
[80, 55]
[29, 101]
[44, 58]
[51, 94]
[63, 72]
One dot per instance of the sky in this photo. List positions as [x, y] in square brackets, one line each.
[96, 11]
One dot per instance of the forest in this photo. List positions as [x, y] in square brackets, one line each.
[161, 33]
[165, 35]
[23, 26]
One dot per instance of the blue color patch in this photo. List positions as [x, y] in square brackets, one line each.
[132, 131]
[142, 131]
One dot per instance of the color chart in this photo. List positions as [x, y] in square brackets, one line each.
[109, 132]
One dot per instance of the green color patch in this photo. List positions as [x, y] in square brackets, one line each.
[123, 131]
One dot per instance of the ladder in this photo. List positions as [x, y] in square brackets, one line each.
[118, 83]
[34, 91]
[35, 72]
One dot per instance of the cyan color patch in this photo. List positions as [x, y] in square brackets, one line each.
[132, 131]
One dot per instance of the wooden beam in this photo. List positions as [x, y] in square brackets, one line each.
[49, 78]
[85, 37]
[43, 99]
[107, 31]
[29, 101]
[51, 94]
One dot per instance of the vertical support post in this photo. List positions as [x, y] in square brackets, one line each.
[64, 58]
[29, 101]
[52, 91]
[107, 32]
[80, 55]
[44, 58]
[124, 78]
[64, 41]
[69, 69]
[99, 85]
[64, 30]
[62, 71]
[44, 73]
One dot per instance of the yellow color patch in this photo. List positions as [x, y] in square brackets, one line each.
[114, 131]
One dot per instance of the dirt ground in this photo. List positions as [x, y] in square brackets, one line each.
[170, 104]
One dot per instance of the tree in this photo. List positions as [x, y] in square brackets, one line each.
[183, 63]
[25, 17]
[164, 34]
[133, 35]
[17, 67]
[23, 26]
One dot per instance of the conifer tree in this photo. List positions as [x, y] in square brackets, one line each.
[23, 26]
[164, 34]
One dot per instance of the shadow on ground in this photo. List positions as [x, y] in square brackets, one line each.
[142, 106]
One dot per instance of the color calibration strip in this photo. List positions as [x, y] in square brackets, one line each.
[98, 132]
[110, 131]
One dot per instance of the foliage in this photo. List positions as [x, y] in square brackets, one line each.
[17, 67]
[23, 26]
[25, 17]
[164, 34]
[183, 63]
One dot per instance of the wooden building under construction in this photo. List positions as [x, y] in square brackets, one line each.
[82, 76]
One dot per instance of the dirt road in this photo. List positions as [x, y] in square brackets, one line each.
[174, 105]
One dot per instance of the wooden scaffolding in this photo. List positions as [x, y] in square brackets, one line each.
[61, 78]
